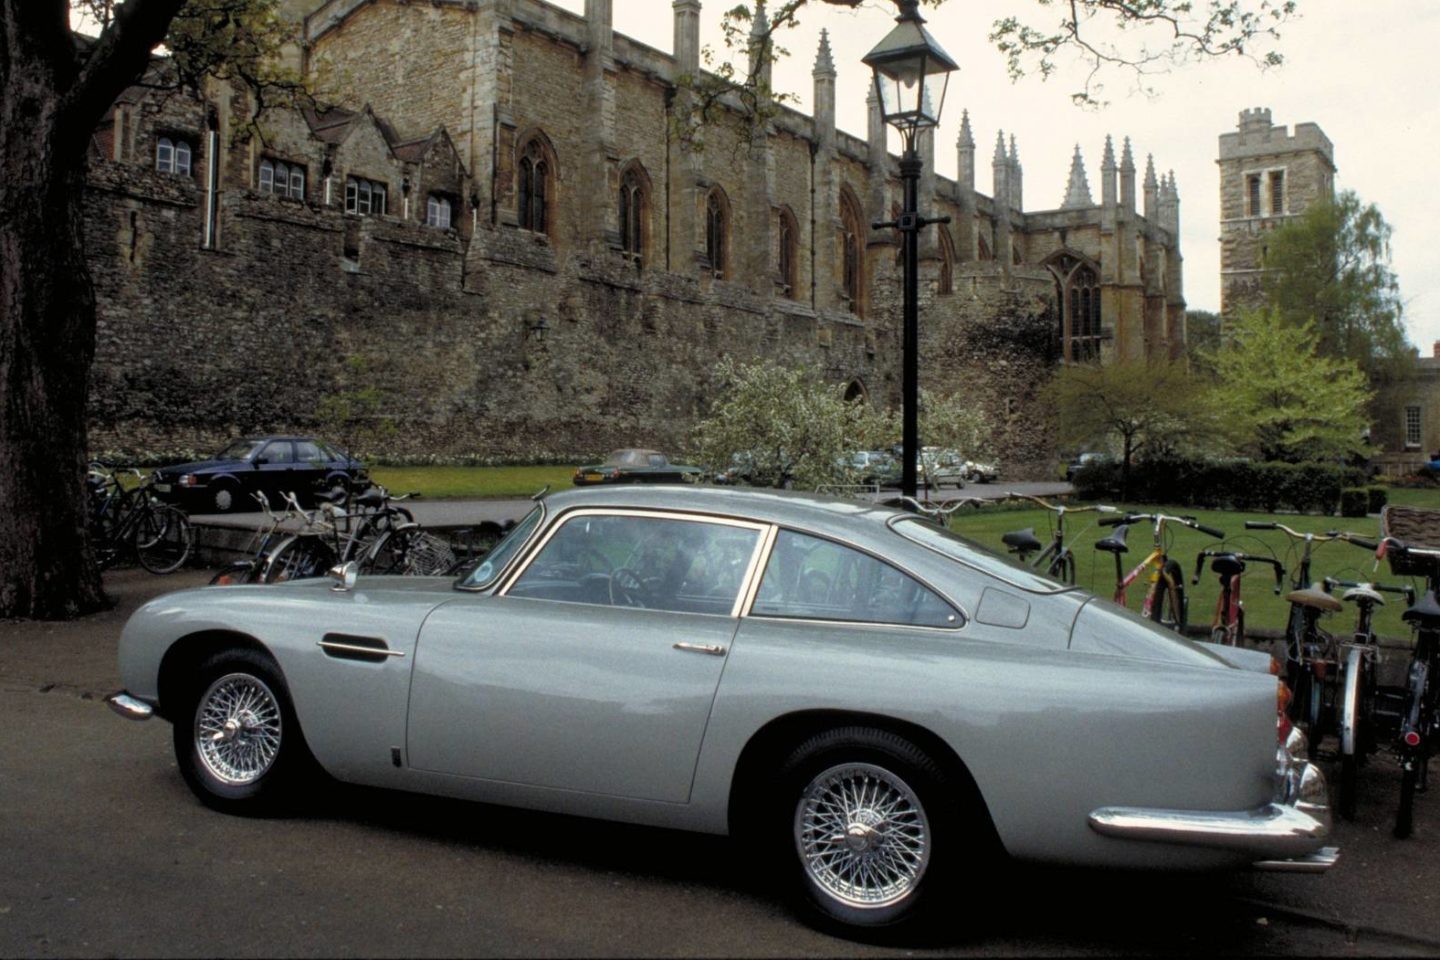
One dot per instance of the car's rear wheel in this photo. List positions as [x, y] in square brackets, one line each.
[865, 820]
[237, 741]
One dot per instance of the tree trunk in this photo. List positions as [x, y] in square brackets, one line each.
[47, 343]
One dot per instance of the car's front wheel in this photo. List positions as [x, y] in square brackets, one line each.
[237, 741]
[867, 819]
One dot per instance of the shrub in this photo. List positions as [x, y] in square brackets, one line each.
[1234, 485]
[1377, 497]
[1354, 502]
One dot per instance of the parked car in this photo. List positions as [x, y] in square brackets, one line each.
[273, 465]
[982, 471]
[1083, 460]
[874, 467]
[937, 467]
[633, 465]
[878, 705]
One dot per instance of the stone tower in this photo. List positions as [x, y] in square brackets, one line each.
[1267, 177]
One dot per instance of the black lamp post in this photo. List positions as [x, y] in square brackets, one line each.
[910, 68]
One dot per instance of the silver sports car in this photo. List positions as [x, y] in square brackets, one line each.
[876, 704]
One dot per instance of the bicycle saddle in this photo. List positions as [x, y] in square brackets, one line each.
[1115, 543]
[1227, 565]
[1313, 596]
[1426, 612]
[1364, 593]
[1022, 541]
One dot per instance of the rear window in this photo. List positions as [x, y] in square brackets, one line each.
[972, 554]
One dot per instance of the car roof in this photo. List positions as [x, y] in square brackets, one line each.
[834, 515]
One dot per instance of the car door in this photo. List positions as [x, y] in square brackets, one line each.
[275, 464]
[595, 666]
[310, 466]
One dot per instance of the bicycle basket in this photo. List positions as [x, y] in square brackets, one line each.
[429, 556]
[1416, 526]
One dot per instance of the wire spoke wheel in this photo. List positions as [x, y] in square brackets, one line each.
[238, 729]
[863, 835]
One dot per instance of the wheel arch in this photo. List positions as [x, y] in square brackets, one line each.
[178, 666]
[768, 747]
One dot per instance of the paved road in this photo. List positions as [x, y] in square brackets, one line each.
[106, 853]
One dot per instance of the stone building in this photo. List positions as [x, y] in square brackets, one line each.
[1268, 177]
[499, 232]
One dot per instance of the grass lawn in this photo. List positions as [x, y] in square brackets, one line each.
[1095, 570]
[464, 483]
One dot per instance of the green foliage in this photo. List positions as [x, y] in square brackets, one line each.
[1376, 498]
[953, 422]
[354, 414]
[786, 426]
[1148, 408]
[1331, 267]
[1202, 339]
[1284, 402]
[1231, 484]
[1354, 502]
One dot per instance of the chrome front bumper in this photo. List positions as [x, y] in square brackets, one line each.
[1285, 834]
[129, 707]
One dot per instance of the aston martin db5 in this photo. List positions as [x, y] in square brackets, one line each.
[868, 700]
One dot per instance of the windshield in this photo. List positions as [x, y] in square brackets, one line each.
[503, 552]
[972, 554]
[239, 450]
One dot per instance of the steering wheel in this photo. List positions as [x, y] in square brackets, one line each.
[626, 588]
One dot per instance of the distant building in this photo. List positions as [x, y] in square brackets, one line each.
[499, 219]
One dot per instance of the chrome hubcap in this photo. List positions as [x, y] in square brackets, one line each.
[863, 835]
[237, 729]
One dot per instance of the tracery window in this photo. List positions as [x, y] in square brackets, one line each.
[172, 155]
[634, 207]
[534, 190]
[282, 179]
[717, 230]
[365, 197]
[1078, 292]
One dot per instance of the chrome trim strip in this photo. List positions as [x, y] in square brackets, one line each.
[129, 707]
[1317, 862]
[359, 648]
[714, 649]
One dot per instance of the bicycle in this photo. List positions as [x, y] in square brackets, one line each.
[1312, 655]
[1228, 625]
[125, 522]
[1058, 558]
[940, 511]
[251, 570]
[1164, 601]
[1359, 692]
[1420, 714]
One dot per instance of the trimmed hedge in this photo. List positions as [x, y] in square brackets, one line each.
[1230, 485]
[1354, 502]
[1379, 496]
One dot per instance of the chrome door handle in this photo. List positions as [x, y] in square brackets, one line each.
[714, 649]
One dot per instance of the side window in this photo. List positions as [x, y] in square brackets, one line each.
[813, 579]
[307, 452]
[278, 451]
[657, 563]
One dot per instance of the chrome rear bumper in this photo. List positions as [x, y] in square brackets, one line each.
[129, 707]
[1285, 834]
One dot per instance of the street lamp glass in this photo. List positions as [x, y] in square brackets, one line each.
[910, 70]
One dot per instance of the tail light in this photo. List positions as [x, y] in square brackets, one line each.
[1283, 696]
[1274, 666]
[1412, 738]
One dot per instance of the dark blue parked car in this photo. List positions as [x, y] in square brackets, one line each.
[273, 465]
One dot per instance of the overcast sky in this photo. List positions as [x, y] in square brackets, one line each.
[1358, 68]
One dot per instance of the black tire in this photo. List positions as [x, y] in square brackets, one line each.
[909, 833]
[163, 538]
[1168, 608]
[390, 553]
[239, 571]
[1404, 815]
[1352, 715]
[298, 558]
[237, 741]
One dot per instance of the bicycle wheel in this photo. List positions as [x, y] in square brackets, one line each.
[1412, 755]
[163, 539]
[1168, 607]
[1062, 567]
[390, 554]
[298, 558]
[1351, 735]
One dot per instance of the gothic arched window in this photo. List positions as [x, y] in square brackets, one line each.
[852, 256]
[634, 208]
[534, 188]
[717, 230]
[1078, 290]
[947, 261]
[788, 254]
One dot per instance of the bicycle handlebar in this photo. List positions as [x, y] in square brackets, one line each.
[1190, 522]
[1408, 591]
[1325, 537]
[1276, 565]
[944, 508]
[1061, 508]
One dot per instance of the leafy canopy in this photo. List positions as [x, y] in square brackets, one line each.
[1283, 400]
[1331, 267]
